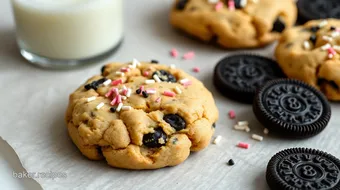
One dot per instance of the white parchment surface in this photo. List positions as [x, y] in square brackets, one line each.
[33, 102]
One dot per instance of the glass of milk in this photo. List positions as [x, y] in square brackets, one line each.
[65, 33]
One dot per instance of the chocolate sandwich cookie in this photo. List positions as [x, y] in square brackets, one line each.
[302, 169]
[292, 108]
[317, 9]
[238, 76]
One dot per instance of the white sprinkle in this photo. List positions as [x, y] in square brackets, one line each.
[257, 137]
[124, 87]
[243, 3]
[151, 91]
[124, 97]
[239, 128]
[336, 47]
[100, 105]
[178, 90]
[327, 38]
[217, 139]
[132, 66]
[172, 66]
[306, 45]
[323, 23]
[135, 62]
[157, 79]
[247, 129]
[121, 91]
[326, 46]
[213, 1]
[128, 93]
[184, 81]
[90, 99]
[151, 81]
[335, 34]
[242, 123]
[107, 82]
[126, 108]
[120, 105]
[266, 131]
[120, 73]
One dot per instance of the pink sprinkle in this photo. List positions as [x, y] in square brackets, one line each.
[189, 55]
[119, 99]
[117, 82]
[196, 69]
[125, 69]
[232, 114]
[243, 145]
[141, 88]
[158, 99]
[151, 91]
[116, 92]
[146, 73]
[124, 92]
[337, 29]
[169, 93]
[114, 101]
[174, 52]
[186, 84]
[108, 94]
[331, 52]
[231, 5]
[218, 6]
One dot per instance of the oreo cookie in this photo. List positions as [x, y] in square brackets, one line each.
[317, 9]
[292, 108]
[238, 77]
[303, 168]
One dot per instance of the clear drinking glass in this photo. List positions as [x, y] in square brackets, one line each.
[66, 33]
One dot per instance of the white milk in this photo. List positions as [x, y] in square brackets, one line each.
[68, 29]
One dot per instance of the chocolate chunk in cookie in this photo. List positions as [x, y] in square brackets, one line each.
[312, 38]
[314, 28]
[165, 76]
[94, 85]
[239, 4]
[175, 121]
[279, 25]
[239, 76]
[155, 139]
[317, 9]
[181, 4]
[303, 168]
[292, 108]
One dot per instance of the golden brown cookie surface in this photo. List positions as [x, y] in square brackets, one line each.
[143, 116]
[253, 23]
[311, 53]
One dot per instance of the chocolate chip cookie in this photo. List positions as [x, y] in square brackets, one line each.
[311, 53]
[141, 116]
[234, 23]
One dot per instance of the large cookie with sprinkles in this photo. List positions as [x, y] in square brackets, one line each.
[311, 53]
[141, 116]
[234, 23]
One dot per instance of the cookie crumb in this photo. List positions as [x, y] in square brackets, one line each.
[196, 69]
[189, 55]
[257, 137]
[231, 162]
[217, 139]
[174, 52]
[243, 145]
[90, 99]
[99, 106]
[266, 131]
